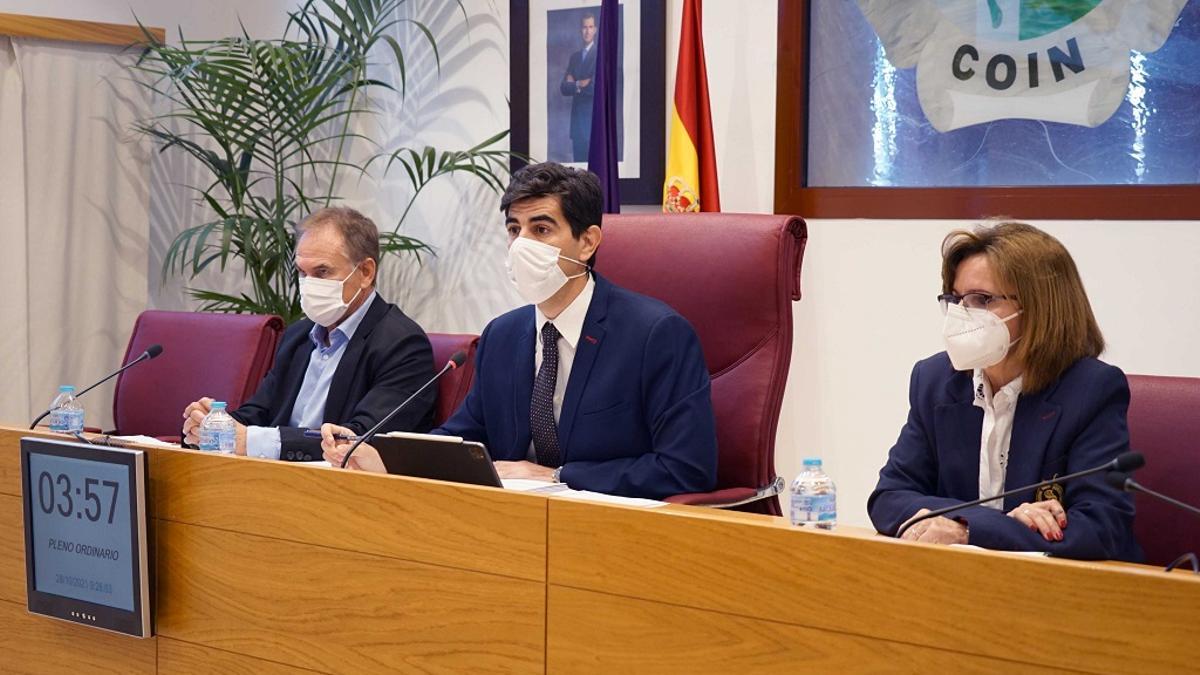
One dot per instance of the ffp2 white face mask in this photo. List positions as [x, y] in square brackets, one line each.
[533, 269]
[975, 338]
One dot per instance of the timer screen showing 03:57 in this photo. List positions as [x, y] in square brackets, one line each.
[81, 530]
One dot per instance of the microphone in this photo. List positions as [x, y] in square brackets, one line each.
[151, 352]
[455, 361]
[1123, 482]
[1124, 462]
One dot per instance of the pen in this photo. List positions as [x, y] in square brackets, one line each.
[316, 433]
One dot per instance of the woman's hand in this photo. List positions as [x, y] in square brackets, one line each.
[365, 458]
[1047, 518]
[940, 530]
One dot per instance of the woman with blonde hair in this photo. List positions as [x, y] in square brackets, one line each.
[1018, 397]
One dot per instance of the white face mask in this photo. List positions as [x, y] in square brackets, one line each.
[533, 268]
[975, 338]
[321, 299]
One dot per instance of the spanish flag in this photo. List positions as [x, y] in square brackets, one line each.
[691, 177]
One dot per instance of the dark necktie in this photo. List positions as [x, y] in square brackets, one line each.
[541, 408]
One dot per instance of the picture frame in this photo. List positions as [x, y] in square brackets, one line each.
[794, 194]
[548, 120]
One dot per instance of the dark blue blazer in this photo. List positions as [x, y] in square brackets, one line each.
[387, 360]
[637, 417]
[581, 68]
[1075, 423]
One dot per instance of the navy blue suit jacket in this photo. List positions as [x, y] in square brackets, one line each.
[580, 68]
[637, 417]
[1075, 423]
[388, 359]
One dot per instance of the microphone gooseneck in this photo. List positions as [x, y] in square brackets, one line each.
[1121, 481]
[455, 361]
[1126, 461]
[151, 352]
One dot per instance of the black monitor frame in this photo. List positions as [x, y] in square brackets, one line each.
[137, 622]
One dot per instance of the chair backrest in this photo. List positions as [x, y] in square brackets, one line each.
[224, 356]
[1164, 425]
[454, 385]
[733, 277]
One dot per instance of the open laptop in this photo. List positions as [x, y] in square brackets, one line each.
[448, 458]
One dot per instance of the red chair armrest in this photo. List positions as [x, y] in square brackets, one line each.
[729, 497]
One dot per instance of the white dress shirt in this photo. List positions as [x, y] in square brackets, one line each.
[998, 412]
[570, 327]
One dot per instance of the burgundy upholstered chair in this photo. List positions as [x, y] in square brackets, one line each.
[733, 277]
[454, 385]
[224, 356]
[1164, 425]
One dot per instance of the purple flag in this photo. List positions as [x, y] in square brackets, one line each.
[602, 151]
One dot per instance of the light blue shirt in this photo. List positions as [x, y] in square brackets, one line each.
[309, 409]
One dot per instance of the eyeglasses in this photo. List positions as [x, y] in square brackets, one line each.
[971, 300]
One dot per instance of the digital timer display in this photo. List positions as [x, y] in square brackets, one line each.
[80, 517]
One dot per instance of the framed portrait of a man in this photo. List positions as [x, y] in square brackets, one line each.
[555, 45]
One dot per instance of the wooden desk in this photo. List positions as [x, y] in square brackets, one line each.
[686, 592]
[273, 567]
[261, 565]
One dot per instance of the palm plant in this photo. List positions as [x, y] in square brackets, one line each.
[272, 123]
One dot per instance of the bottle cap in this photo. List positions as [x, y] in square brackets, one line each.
[218, 405]
[812, 461]
[65, 388]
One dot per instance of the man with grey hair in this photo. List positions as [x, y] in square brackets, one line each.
[351, 361]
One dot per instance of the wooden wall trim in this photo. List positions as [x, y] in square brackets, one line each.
[794, 196]
[71, 30]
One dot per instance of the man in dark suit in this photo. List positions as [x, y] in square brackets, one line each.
[590, 384]
[354, 359]
[578, 83]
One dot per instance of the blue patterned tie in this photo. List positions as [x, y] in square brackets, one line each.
[541, 408]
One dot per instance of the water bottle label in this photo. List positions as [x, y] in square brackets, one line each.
[225, 440]
[824, 507]
[58, 420]
[216, 439]
[66, 420]
[208, 440]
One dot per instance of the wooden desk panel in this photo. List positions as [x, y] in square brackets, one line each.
[601, 633]
[463, 526]
[10, 456]
[12, 550]
[1058, 614]
[333, 610]
[185, 658]
[36, 644]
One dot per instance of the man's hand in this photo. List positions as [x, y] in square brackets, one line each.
[523, 470]
[365, 458]
[570, 77]
[584, 83]
[193, 416]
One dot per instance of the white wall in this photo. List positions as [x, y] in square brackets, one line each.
[200, 19]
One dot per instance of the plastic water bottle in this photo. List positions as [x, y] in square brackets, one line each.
[66, 415]
[217, 430]
[814, 497]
